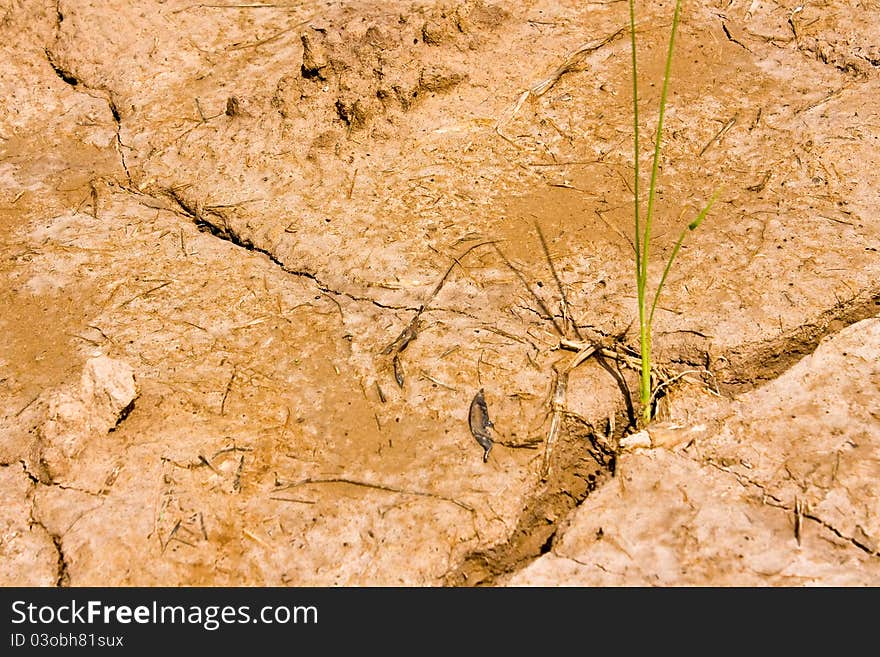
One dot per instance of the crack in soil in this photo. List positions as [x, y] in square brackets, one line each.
[30, 475]
[865, 548]
[581, 465]
[224, 232]
[35, 479]
[77, 83]
[65, 75]
[779, 504]
[756, 364]
[62, 574]
[743, 481]
[580, 471]
[63, 577]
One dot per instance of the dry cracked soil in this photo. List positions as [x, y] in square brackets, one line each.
[257, 260]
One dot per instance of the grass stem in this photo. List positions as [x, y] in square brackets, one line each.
[643, 227]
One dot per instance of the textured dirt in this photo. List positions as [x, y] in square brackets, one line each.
[774, 488]
[310, 233]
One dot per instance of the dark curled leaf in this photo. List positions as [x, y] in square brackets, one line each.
[398, 370]
[478, 419]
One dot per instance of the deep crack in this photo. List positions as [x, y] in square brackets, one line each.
[224, 232]
[62, 573]
[580, 467]
[839, 534]
[731, 38]
[63, 576]
[30, 475]
[752, 365]
[71, 78]
[120, 145]
[65, 75]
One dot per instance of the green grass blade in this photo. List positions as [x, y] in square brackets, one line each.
[641, 262]
[690, 227]
[643, 229]
[652, 188]
[635, 90]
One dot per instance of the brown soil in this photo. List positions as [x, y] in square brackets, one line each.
[310, 231]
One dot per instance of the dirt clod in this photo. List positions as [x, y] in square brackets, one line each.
[105, 396]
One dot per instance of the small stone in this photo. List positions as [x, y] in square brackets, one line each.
[105, 395]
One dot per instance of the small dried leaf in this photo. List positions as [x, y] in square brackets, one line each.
[398, 370]
[478, 419]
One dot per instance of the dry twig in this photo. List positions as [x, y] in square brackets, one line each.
[574, 61]
[367, 484]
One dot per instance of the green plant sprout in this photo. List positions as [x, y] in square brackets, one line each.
[643, 228]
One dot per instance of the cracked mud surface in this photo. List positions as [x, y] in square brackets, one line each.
[775, 488]
[246, 206]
